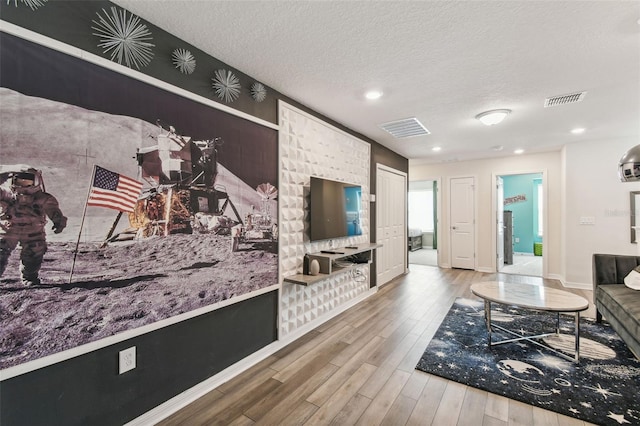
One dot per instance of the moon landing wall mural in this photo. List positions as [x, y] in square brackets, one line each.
[121, 205]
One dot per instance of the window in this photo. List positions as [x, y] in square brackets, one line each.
[421, 210]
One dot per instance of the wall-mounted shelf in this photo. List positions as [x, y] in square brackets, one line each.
[327, 266]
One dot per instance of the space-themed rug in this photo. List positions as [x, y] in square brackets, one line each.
[604, 388]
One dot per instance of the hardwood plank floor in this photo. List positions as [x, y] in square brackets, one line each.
[359, 368]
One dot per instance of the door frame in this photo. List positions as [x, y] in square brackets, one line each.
[438, 224]
[475, 219]
[545, 214]
[380, 167]
[499, 182]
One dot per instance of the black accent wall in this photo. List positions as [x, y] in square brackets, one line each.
[87, 390]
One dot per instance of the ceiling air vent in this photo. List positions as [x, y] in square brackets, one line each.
[564, 99]
[405, 128]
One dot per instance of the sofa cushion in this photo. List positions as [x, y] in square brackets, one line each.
[624, 304]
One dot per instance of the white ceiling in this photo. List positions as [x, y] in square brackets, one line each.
[442, 62]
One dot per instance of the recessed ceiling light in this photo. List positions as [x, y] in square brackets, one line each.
[373, 94]
[518, 151]
[495, 116]
[436, 148]
[577, 130]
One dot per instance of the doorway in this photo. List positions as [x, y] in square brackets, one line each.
[520, 218]
[422, 240]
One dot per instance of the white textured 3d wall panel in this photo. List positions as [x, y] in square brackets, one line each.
[311, 147]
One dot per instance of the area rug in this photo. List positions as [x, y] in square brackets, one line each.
[603, 388]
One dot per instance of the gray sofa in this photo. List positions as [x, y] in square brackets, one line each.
[619, 304]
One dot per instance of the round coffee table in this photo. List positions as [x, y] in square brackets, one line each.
[533, 297]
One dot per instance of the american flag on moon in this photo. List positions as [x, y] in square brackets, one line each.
[113, 190]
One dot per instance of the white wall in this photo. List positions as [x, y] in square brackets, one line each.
[311, 147]
[483, 171]
[593, 189]
[582, 182]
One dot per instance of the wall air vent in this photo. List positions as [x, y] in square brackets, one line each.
[406, 128]
[564, 99]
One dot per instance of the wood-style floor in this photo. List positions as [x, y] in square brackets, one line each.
[358, 368]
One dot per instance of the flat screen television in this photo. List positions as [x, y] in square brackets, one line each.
[334, 209]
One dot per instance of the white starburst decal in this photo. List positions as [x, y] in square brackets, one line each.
[184, 61]
[618, 418]
[602, 391]
[226, 85]
[586, 404]
[258, 92]
[574, 410]
[33, 4]
[124, 37]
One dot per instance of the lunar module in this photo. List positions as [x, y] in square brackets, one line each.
[184, 196]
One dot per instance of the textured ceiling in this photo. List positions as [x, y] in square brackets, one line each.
[442, 62]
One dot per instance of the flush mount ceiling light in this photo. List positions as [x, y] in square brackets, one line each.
[373, 94]
[495, 116]
[577, 131]
[436, 149]
[518, 151]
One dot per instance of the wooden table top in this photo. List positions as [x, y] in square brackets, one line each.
[530, 296]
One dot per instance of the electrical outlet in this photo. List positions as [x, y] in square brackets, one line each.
[517, 240]
[127, 359]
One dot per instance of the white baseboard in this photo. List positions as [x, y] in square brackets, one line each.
[485, 269]
[556, 277]
[581, 286]
[185, 398]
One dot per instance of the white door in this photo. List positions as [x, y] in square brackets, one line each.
[500, 222]
[391, 226]
[462, 215]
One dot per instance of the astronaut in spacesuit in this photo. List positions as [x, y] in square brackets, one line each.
[24, 208]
